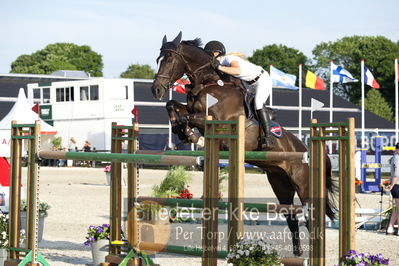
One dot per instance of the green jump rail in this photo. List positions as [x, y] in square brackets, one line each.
[120, 157]
[249, 155]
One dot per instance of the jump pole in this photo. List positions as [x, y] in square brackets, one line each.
[30, 133]
[345, 134]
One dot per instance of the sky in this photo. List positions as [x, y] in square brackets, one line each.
[128, 32]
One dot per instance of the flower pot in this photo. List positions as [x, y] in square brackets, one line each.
[108, 178]
[41, 224]
[99, 251]
[3, 255]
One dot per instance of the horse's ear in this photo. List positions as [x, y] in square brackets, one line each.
[177, 40]
[164, 40]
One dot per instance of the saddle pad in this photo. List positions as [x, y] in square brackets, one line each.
[275, 129]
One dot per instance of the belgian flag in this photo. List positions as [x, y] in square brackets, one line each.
[310, 80]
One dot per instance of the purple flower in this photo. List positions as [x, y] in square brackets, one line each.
[363, 259]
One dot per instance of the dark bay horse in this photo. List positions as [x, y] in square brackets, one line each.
[286, 177]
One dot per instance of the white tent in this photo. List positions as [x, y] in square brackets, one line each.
[22, 113]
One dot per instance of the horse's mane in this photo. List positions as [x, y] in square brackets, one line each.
[196, 42]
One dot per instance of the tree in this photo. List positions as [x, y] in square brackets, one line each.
[375, 103]
[282, 57]
[378, 52]
[138, 71]
[60, 56]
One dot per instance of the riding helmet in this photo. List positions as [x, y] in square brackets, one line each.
[215, 46]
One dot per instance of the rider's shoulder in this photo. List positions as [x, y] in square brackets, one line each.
[237, 56]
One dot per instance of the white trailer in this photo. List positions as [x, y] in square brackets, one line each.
[84, 109]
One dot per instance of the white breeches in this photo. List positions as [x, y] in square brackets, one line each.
[262, 88]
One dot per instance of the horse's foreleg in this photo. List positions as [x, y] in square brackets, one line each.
[179, 118]
[197, 120]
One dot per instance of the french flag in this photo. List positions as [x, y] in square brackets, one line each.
[369, 79]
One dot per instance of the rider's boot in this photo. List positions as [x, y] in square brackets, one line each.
[264, 119]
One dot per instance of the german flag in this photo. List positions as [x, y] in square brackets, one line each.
[310, 80]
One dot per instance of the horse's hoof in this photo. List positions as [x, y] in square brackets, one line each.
[201, 141]
[298, 251]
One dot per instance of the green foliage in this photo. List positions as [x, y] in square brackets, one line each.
[378, 53]
[138, 71]
[282, 57]
[375, 103]
[57, 142]
[176, 179]
[42, 206]
[223, 176]
[60, 56]
[3, 231]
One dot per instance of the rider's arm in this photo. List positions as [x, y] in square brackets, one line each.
[234, 68]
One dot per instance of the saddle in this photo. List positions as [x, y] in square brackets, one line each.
[250, 113]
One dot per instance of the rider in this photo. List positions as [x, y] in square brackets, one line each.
[257, 78]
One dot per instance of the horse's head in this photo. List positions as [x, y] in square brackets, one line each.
[176, 59]
[171, 66]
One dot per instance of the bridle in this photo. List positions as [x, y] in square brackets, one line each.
[192, 74]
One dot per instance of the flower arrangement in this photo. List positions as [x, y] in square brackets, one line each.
[107, 168]
[95, 233]
[363, 259]
[42, 206]
[176, 179]
[185, 193]
[3, 231]
[251, 252]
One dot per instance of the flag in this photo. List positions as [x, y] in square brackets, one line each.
[135, 113]
[369, 79]
[315, 105]
[179, 85]
[36, 108]
[341, 75]
[281, 79]
[210, 101]
[310, 80]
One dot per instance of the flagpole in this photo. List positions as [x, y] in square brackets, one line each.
[170, 125]
[362, 78]
[331, 91]
[300, 103]
[396, 100]
[331, 101]
[271, 93]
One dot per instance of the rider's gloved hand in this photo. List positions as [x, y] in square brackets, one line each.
[214, 62]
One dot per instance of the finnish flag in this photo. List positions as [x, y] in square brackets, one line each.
[341, 75]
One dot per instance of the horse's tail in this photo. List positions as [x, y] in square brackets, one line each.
[331, 191]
